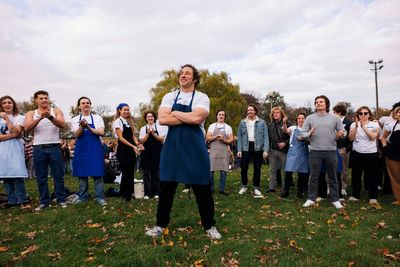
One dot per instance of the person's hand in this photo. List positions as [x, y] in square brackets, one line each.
[281, 145]
[136, 149]
[284, 119]
[265, 155]
[141, 147]
[312, 131]
[2, 115]
[83, 123]
[239, 154]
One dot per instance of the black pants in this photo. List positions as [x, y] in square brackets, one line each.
[204, 200]
[126, 187]
[256, 156]
[151, 180]
[302, 183]
[366, 163]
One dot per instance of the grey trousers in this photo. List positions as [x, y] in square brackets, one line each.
[330, 160]
[277, 160]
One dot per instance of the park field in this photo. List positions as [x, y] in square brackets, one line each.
[256, 232]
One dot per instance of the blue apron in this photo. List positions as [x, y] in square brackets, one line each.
[297, 156]
[184, 156]
[89, 155]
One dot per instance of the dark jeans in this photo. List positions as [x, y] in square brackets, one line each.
[330, 159]
[42, 159]
[256, 156]
[302, 183]
[222, 180]
[204, 199]
[366, 163]
[151, 180]
[15, 188]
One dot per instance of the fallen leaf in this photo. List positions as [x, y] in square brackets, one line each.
[26, 252]
[352, 243]
[293, 244]
[4, 248]
[120, 224]
[90, 259]
[262, 258]
[199, 263]
[99, 240]
[351, 263]
[381, 225]
[55, 255]
[31, 235]
[330, 221]
[93, 225]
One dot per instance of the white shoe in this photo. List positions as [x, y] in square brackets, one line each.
[102, 202]
[342, 199]
[213, 233]
[319, 199]
[63, 205]
[308, 203]
[337, 205]
[257, 193]
[145, 197]
[186, 190]
[41, 207]
[156, 197]
[155, 231]
[242, 190]
[373, 201]
[353, 199]
[344, 193]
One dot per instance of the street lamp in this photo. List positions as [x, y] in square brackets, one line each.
[376, 68]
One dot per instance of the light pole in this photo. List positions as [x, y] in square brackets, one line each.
[270, 96]
[376, 68]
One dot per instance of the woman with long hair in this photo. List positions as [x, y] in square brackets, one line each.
[128, 148]
[364, 157]
[12, 154]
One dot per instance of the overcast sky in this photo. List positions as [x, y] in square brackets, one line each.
[115, 51]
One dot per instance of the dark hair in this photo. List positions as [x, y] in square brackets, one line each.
[218, 111]
[327, 102]
[40, 92]
[301, 113]
[367, 108]
[340, 109]
[149, 112]
[15, 108]
[395, 105]
[196, 74]
[254, 106]
[83, 97]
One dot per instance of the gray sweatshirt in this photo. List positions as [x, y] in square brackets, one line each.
[324, 138]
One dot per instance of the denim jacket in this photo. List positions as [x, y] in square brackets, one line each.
[261, 141]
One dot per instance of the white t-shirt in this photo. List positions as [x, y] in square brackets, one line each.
[362, 143]
[119, 124]
[221, 126]
[390, 129]
[15, 121]
[160, 130]
[291, 129]
[200, 100]
[97, 120]
[386, 121]
[250, 129]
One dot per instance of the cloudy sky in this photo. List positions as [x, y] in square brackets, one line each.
[115, 51]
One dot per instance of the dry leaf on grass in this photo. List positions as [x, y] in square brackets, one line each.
[31, 235]
[26, 252]
[56, 255]
[90, 259]
[199, 263]
[293, 244]
[93, 225]
[351, 263]
[380, 225]
[120, 224]
[4, 248]
[352, 243]
[99, 240]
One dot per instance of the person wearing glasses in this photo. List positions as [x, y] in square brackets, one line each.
[364, 157]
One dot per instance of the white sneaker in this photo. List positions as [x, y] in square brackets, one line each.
[146, 197]
[353, 199]
[308, 203]
[319, 199]
[102, 202]
[344, 193]
[41, 207]
[373, 201]
[155, 231]
[156, 197]
[213, 233]
[63, 205]
[242, 190]
[186, 190]
[257, 193]
[337, 205]
[342, 199]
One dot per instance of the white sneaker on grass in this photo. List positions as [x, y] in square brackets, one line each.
[353, 199]
[186, 190]
[373, 201]
[242, 190]
[63, 205]
[41, 207]
[155, 231]
[145, 197]
[337, 205]
[213, 233]
[319, 199]
[308, 203]
[257, 193]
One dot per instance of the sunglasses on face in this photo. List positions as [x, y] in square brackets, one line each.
[363, 113]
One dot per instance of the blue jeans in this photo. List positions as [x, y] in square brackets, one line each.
[43, 157]
[222, 180]
[15, 188]
[84, 188]
[330, 159]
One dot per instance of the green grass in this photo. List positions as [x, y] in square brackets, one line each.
[268, 231]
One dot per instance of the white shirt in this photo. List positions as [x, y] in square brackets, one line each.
[200, 100]
[362, 143]
[386, 121]
[15, 121]
[291, 130]
[120, 125]
[221, 126]
[250, 129]
[45, 131]
[154, 126]
[97, 120]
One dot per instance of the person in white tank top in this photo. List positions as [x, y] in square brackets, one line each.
[45, 123]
